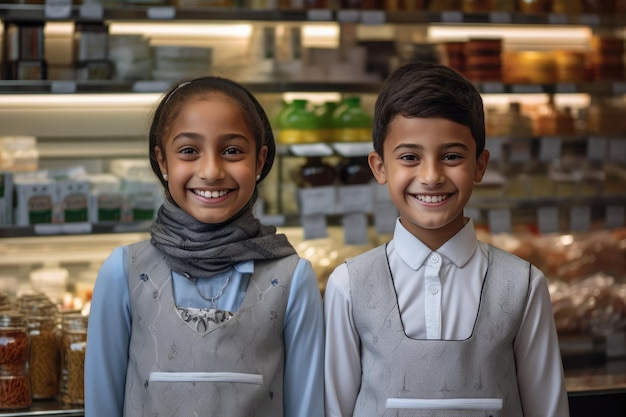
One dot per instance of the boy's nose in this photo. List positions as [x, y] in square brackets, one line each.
[430, 173]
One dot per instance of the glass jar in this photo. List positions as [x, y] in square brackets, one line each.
[355, 170]
[316, 173]
[73, 347]
[44, 357]
[15, 390]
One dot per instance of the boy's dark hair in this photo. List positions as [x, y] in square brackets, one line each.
[428, 90]
[169, 107]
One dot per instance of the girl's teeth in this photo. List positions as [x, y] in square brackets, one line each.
[211, 194]
[431, 199]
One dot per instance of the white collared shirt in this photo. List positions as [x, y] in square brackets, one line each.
[438, 296]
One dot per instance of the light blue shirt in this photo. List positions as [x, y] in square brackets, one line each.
[110, 325]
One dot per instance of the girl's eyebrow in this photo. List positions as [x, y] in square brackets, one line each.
[223, 138]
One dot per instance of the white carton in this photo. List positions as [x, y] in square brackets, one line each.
[35, 201]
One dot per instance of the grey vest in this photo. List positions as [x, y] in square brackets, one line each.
[179, 369]
[395, 366]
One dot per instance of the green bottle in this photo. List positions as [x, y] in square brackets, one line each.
[351, 123]
[325, 113]
[299, 124]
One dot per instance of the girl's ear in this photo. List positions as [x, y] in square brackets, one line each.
[260, 161]
[377, 166]
[160, 157]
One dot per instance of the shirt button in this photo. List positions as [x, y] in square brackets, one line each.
[434, 259]
[434, 290]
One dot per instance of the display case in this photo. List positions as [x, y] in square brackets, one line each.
[545, 182]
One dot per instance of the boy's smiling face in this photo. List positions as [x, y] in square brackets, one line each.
[430, 168]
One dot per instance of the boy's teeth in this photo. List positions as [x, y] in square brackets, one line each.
[431, 198]
[211, 194]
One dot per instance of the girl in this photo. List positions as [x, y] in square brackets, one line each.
[215, 314]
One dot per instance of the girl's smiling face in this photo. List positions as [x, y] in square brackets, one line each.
[209, 156]
[430, 168]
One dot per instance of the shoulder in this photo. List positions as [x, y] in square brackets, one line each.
[369, 256]
[500, 255]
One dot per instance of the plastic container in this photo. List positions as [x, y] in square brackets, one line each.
[15, 390]
[19, 153]
[299, 124]
[73, 347]
[351, 123]
[325, 114]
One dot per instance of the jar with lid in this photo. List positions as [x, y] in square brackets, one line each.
[44, 357]
[354, 170]
[73, 347]
[316, 173]
[15, 390]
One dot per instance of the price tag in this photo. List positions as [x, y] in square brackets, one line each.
[373, 17]
[311, 149]
[385, 216]
[492, 87]
[566, 88]
[499, 221]
[452, 16]
[549, 149]
[597, 148]
[319, 15]
[58, 9]
[580, 219]
[355, 229]
[617, 150]
[47, 229]
[494, 146]
[348, 16]
[150, 86]
[614, 217]
[520, 152]
[63, 87]
[590, 19]
[317, 200]
[500, 17]
[314, 225]
[558, 19]
[161, 13]
[355, 198]
[91, 11]
[77, 228]
[527, 89]
[548, 220]
[350, 150]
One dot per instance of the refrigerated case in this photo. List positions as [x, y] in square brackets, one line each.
[92, 122]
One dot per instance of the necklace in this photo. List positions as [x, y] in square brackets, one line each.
[213, 299]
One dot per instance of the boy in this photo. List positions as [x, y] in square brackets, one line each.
[435, 314]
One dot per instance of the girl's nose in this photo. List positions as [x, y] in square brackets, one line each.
[211, 168]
